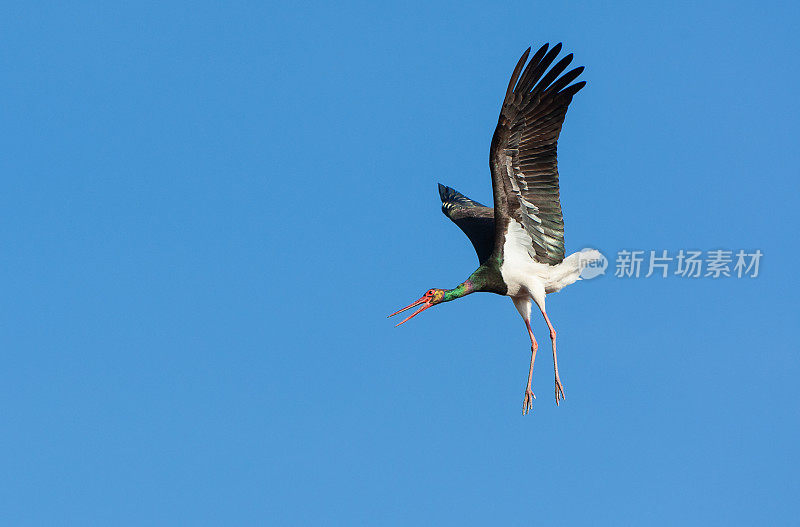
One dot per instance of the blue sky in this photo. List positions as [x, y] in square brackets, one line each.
[208, 210]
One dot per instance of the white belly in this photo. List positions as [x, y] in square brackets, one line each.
[524, 276]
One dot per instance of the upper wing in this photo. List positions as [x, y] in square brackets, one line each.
[476, 220]
[522, 157]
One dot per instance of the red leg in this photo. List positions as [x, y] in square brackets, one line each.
[559, 387]
[527, 404]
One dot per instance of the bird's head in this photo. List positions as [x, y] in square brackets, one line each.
[429, 299]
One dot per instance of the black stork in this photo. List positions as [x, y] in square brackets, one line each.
[520, 243]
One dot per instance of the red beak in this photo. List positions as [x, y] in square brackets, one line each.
[424, 300]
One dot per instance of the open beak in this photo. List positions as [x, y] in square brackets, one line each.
[425, 305]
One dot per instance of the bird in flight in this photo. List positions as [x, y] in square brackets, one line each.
[520, 243]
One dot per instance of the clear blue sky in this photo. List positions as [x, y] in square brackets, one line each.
[207, 212]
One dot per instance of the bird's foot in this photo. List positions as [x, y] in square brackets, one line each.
[559, 390]
[527, 404]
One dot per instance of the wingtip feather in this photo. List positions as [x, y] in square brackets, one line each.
[444, 192]
[515, 75]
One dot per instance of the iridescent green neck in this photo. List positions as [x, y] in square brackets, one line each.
[485, 278]
[462, 289]
[476, 282]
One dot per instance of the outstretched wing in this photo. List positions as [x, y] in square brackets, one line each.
[476, 220]
[522, 157]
